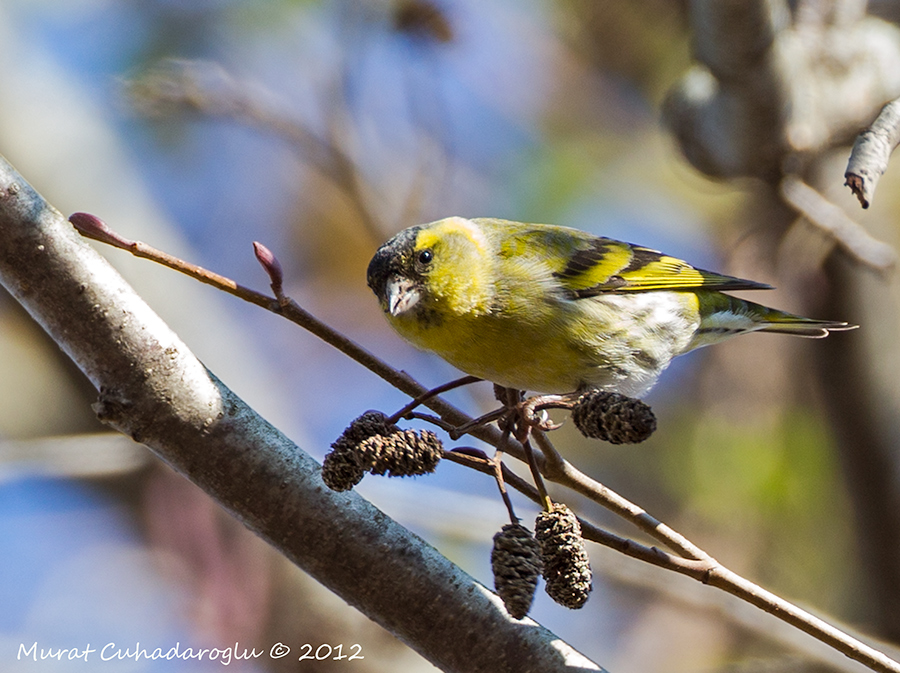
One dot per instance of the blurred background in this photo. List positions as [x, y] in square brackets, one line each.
[320, 128]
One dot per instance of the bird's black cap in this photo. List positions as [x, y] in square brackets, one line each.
[392, 257]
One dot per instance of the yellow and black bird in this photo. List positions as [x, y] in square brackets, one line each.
[551, 309]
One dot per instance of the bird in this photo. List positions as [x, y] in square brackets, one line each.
[552, 309]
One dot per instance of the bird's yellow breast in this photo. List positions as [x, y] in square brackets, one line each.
[525, 354]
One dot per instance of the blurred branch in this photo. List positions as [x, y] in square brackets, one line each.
[154, 390]
[832, 219]
[210, 90]
[765, 89]
[689, 559]
[872, 152]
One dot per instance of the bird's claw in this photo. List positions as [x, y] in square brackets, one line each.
[535, 415]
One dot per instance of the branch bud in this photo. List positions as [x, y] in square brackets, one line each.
[272, 267]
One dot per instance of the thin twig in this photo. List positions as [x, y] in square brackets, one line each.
[475, 423]
[854, 649]
[430, 418]
[554, 463]
[497, 462]
[434, 392]
[576, 480]
[546, 503]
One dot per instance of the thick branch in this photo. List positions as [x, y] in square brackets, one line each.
[155, 390]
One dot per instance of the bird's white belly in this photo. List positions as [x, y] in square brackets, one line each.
[639, 334]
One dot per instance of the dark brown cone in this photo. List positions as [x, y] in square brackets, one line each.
[341, 470]
[567, 568]
[404, 453]
[613, 417]
[516, 562]
[367, 425]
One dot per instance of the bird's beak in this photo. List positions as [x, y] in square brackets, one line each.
[401, 295]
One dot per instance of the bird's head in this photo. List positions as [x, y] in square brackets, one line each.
[433, 270]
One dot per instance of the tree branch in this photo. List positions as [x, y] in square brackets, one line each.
[830, 218]
[872, 152]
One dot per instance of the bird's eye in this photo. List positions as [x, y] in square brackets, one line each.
[424, 257]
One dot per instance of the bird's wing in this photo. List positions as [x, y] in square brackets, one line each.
[605, 265]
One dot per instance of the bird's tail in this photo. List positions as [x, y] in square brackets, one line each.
[782, 322]
[787, 323]
[724, 316]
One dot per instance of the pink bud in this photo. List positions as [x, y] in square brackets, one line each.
[93, 227]
[271, 265]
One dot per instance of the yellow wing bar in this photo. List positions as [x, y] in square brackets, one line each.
[613, 266]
